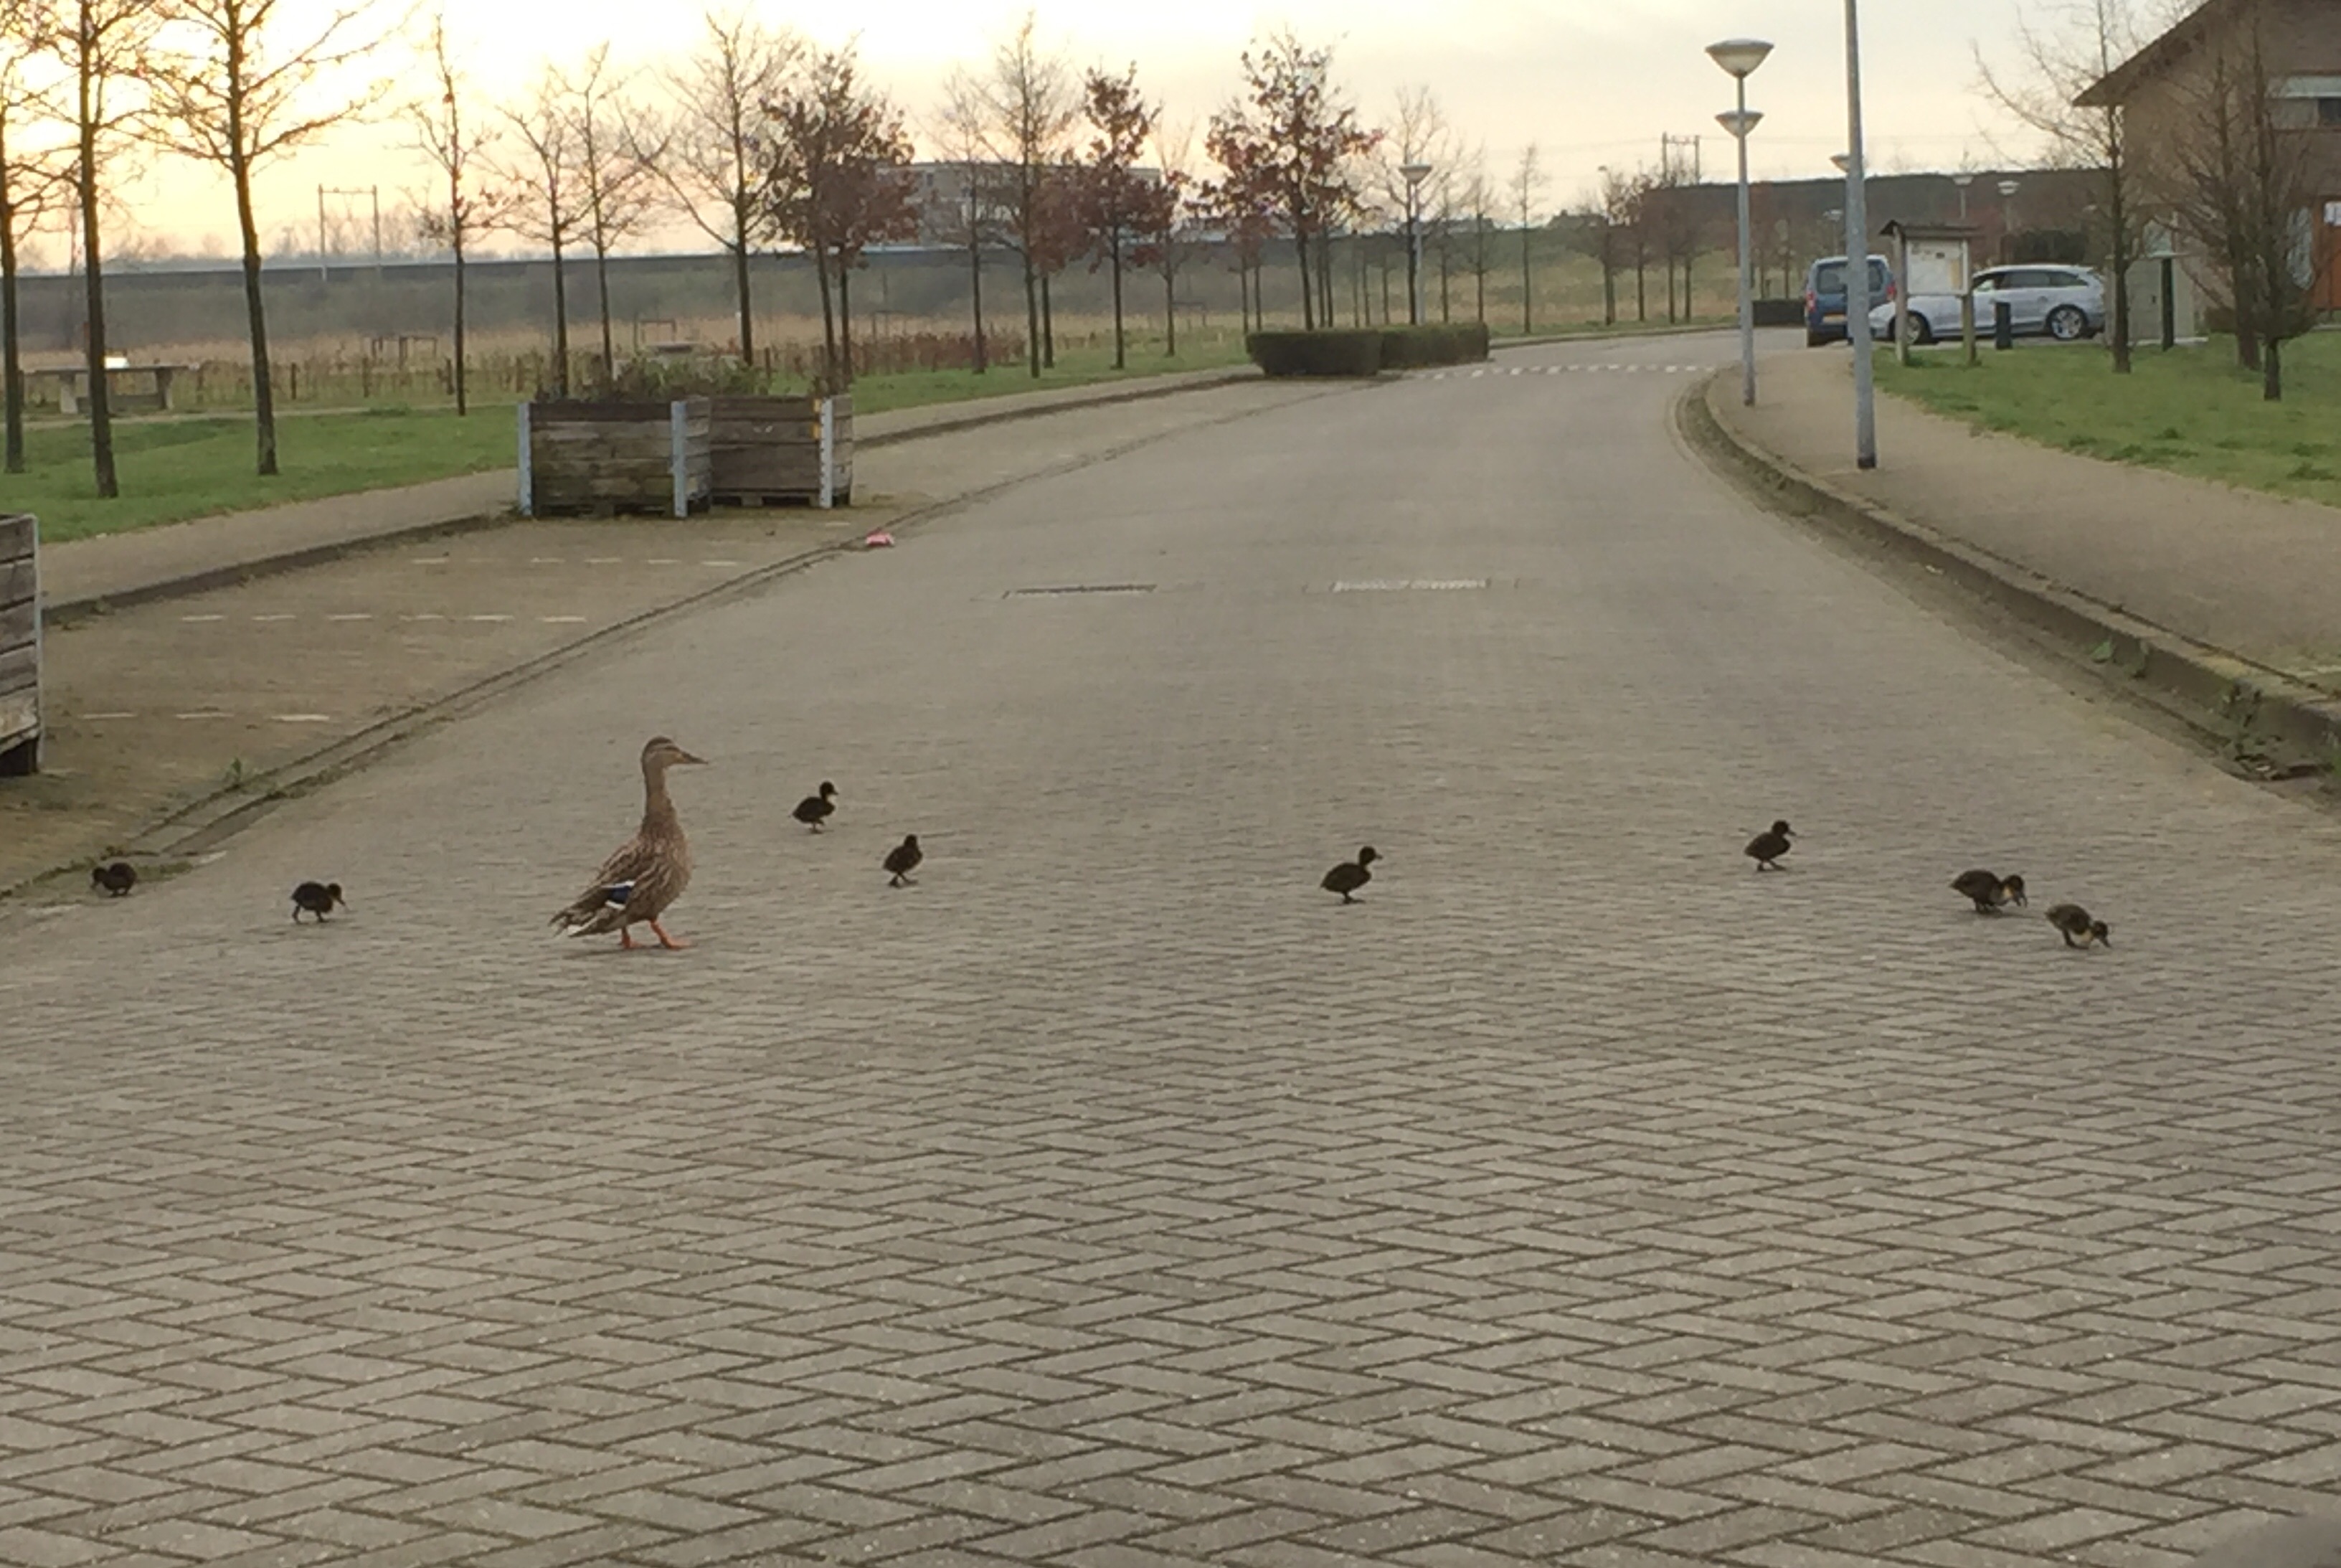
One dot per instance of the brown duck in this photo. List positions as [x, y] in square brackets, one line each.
[649, 872]
[2072, 922]
[1990, 893]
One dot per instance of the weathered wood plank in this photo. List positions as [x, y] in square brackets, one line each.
[20, 714]
[20, 668]
[18, 537]
[19, 624]
[19, 584]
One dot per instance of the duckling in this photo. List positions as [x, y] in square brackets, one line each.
[903, 859]
[2072, 921]
[317, 898]
[117, 879]
[1767, 848]
[1350, 874]
[814, 809]
[1990, 893]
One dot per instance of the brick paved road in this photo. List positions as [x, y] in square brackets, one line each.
[1114, 1197]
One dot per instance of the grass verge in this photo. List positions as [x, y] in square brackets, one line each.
[2191, 411]
[174, 469]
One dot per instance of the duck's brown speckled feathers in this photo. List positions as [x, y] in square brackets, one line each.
[648, 873]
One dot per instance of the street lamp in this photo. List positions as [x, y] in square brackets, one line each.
[1414, 174]
[1857, 253]
[2008, 189]
[1963, 180]
[1740, 56]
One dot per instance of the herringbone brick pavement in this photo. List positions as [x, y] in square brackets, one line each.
[1115, 1198]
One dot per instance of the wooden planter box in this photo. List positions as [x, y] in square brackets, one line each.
[601, 459]
[771, 450]
[20, 646]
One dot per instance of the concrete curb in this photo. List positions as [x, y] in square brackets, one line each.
[2250, 710]
[196, 582]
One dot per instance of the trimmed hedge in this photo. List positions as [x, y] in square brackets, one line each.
[1344, 351]
[1316, 352]
[1442, 342]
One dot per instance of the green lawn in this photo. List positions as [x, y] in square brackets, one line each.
[2191, 411]
[174, 469]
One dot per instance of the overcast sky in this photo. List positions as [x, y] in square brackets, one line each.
[1592, 82]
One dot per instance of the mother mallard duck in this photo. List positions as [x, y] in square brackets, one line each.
[649, 872]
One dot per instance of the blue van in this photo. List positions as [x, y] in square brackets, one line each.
[1824, 296]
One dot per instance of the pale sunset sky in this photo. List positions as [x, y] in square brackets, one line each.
[1592, 82]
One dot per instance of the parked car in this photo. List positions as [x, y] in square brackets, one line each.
[2066, 302]
[1824, 296]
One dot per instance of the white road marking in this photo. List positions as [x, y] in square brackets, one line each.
[425, 616]
[664, 561]
[304, 718]
[487, 617]
[281, 616]
[544, 560]
[719, 563]
[1400, 584]
[204, 713]
[603, 560]
[190, 619]
[560, 620]
[353, 615]
[432, 560]
[109, 716]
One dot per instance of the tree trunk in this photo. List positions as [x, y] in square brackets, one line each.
[601, 280]
[1032, 313]
[975, 286]
[560, 321]
[101, 395]
[2272, 371]
[12, 364]
[462, 399]
[2117, 214]
[263, 392]
[1121, 359]
[1641, 288]
[740, 282]
[1528, 282]
[1170, 313]
[844, 323]
[1308, 281]
[1048, 326]
[827, 319]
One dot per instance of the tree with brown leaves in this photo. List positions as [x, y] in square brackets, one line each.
[1116, 204]
[1297, 137]
[1024, 104]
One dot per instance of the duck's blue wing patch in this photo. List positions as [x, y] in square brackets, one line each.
[617, 892]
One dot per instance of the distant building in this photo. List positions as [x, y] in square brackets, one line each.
[953, 195]
[2159, 87]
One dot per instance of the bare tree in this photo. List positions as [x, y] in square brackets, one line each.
[2051, 94]
[1477, 201]
[1527, 182]
[470, 203]
[2237, 178]
[553, 211]
[1026, 106]
[1171, 245]
[242, 96]
[973, 219]
[107, 49]
[1417, 138]
[30, 183]
[711, 162]
[615, 179]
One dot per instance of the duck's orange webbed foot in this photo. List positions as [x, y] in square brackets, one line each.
[668, 943]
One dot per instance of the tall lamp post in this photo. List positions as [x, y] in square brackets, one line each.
[1963, 180]
[1414, 174]
[1856, 252]
[2008, 189]
[1740, 56]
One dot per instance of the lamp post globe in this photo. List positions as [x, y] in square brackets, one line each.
[1740, 57]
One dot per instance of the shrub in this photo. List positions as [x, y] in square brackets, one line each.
[1442, 342]
[1330, 352]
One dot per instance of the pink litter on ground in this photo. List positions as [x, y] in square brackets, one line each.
[878, 541]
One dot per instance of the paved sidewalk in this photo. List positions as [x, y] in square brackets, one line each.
[208, 551]
[2253, 574]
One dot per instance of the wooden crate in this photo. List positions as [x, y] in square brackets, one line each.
[776, 450]
[601, 459]
[20, 646]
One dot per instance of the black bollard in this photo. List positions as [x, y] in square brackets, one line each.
[2003, 325]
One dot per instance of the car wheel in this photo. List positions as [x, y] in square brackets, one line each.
[1922, 331]
[2068, 324]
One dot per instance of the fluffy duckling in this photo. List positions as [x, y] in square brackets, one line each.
[903, 859]
[1767, 847]
[2072, 922]
[1350, 874]
[1990, 893]
[317, 898]
[116, 880]
[814, 809]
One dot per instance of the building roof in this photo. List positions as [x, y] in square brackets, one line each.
[2116, 85]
